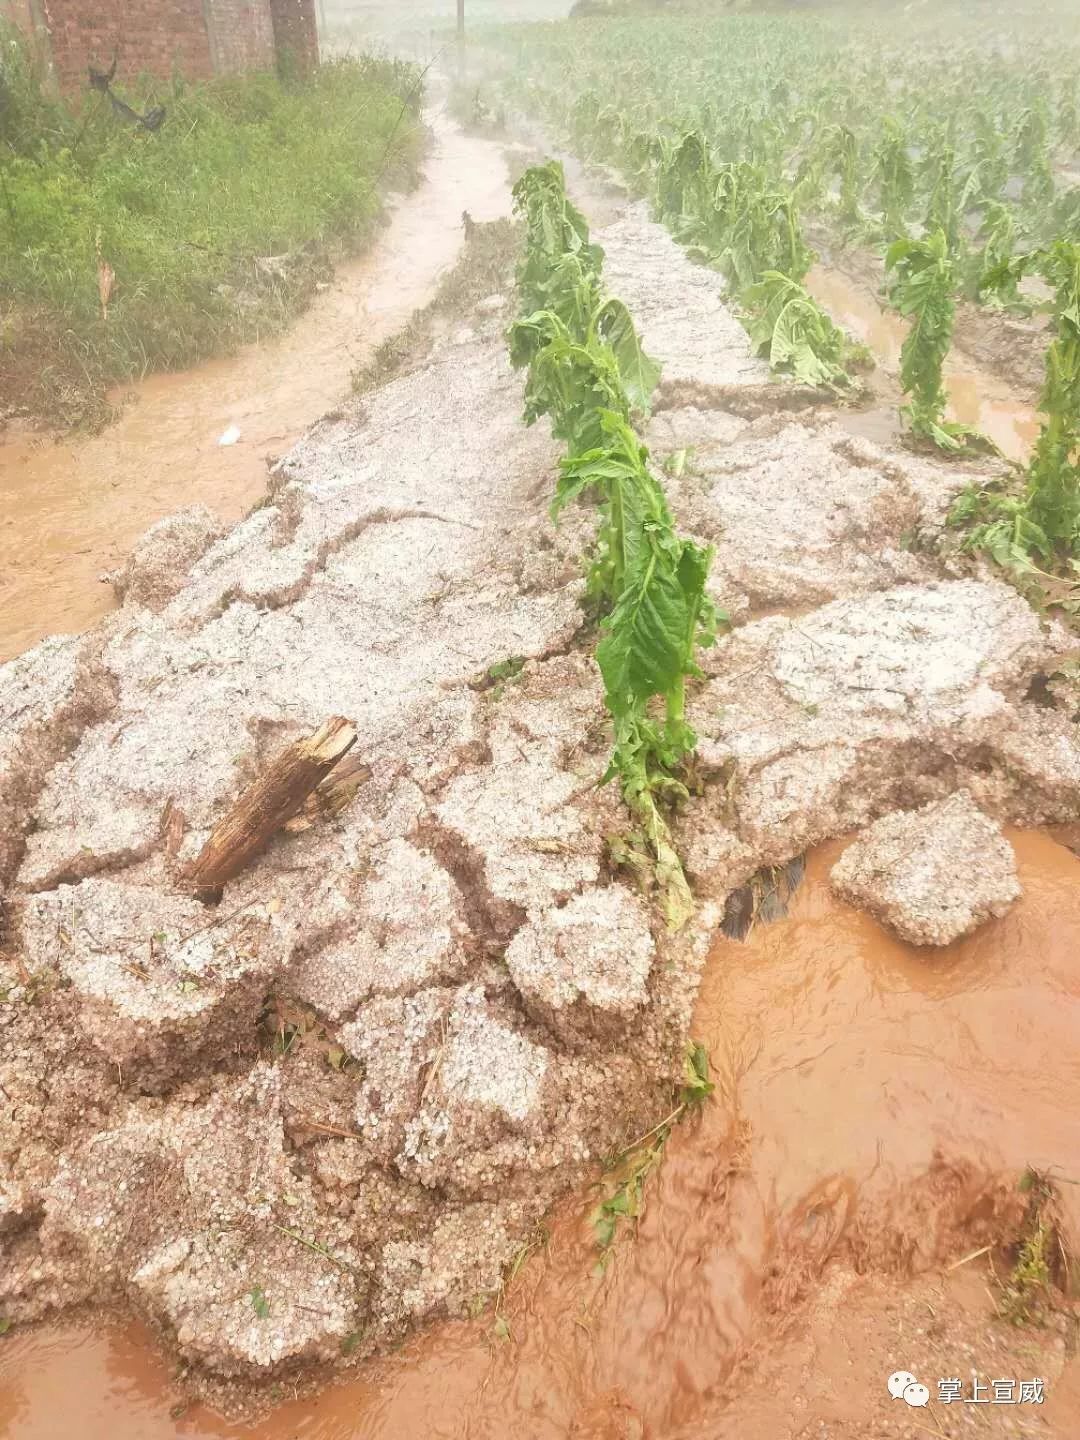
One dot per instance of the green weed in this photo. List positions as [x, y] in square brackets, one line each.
[506, 669]
[1025, 1296]
[624, 1184]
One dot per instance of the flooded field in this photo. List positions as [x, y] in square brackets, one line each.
[976, 398]
[73, 508]
[799, 1242]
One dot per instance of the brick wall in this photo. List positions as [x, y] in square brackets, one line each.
[296, 31]
[195, 37]
[241, 34]
[156, 36]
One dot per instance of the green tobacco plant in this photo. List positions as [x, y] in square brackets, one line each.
[734, 215]
[922, 290]
[684, 179]
[993, 273]
[655, 584]
[590, 375]
[1045, 519]
[1054, 481]
[1032, 155]
[572, 382]
[895, 178]
[943, 208]
[840, 150]
[1068, 118]
[987, 156]
[560, 268]
[582, 351]
[788, 326]
[612, 325]
[763, 232]
[873, 114]
[741, 222]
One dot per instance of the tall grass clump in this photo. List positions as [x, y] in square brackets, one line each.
[245, 168]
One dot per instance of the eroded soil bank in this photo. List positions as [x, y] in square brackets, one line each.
[74, 508]
[470, 1003]
[796, 1243]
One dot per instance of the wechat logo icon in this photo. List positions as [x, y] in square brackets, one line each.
[904, 1386]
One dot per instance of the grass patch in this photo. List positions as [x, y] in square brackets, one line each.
[214, 230]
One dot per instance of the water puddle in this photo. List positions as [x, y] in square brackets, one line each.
[975, 398]
[874, 1104]
[73, 509]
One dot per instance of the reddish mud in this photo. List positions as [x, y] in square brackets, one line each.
[74, 508]
[875, 1108]
[975, 398]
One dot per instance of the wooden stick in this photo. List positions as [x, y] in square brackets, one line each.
[968, 1258]
[267, 804]
[331, 795]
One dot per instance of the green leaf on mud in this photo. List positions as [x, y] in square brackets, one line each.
[696, 1085]
[506, 669]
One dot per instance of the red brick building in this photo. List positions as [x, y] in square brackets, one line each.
[197, 38]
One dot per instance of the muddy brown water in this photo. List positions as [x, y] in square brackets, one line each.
[72, 510]
[867, 1092]
[975, 398]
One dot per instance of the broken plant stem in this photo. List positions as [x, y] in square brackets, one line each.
[268, 804]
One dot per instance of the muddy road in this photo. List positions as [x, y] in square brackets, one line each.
[73, 508]
[315, 1203]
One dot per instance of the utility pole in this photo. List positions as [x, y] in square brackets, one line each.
[461, 41]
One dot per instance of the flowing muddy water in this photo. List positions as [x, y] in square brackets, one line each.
[875, 1106]
[73, 509]
[975, 398]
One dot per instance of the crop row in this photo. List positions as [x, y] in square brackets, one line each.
[588, 373]
[734, 129]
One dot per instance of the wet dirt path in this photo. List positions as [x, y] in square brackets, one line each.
[874, 1106]
[73, 509]
[975, 398]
